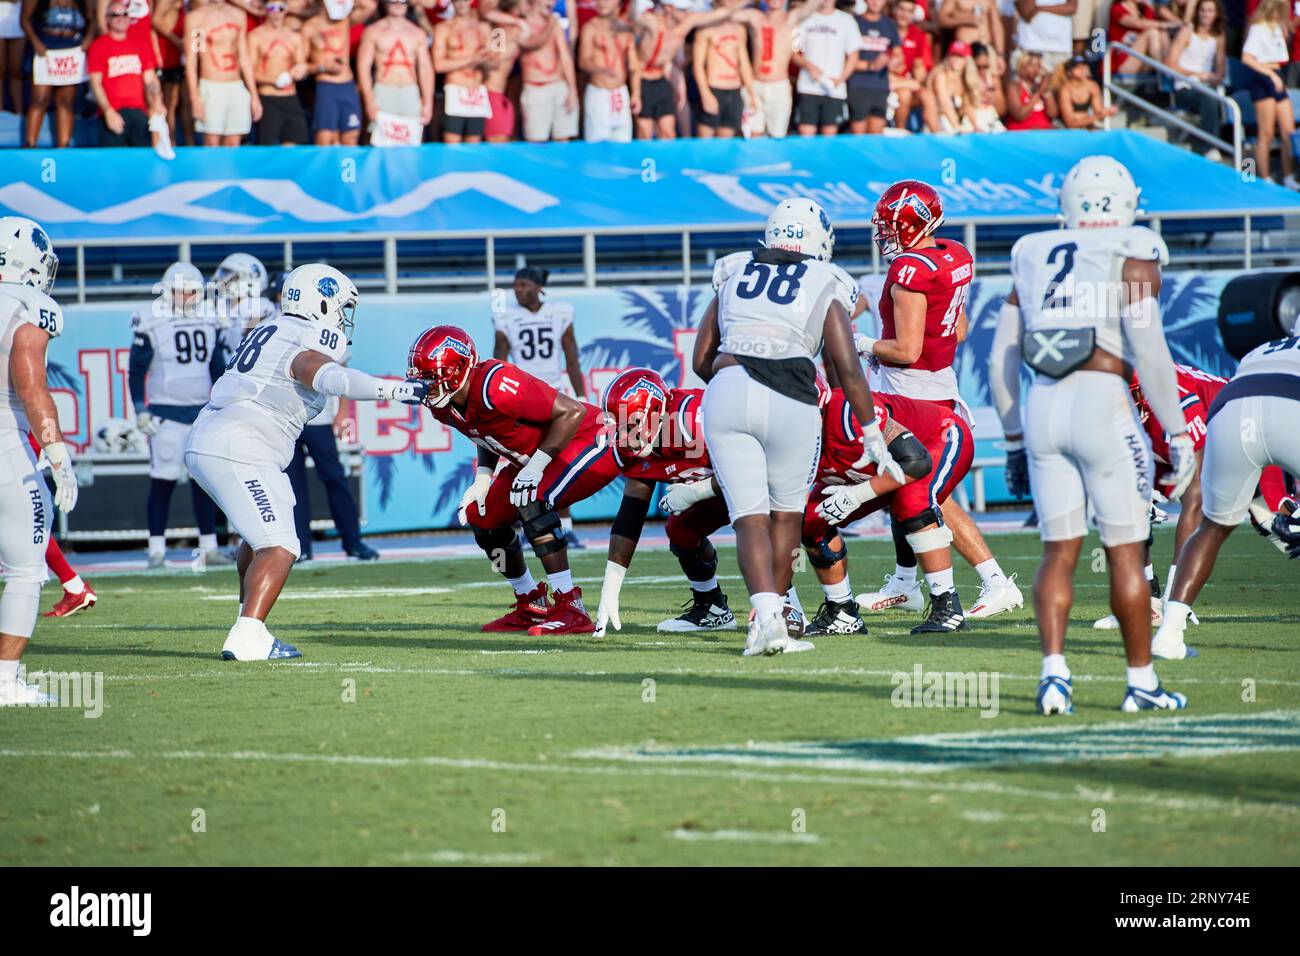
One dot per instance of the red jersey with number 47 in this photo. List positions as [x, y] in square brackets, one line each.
[942, 273]
[1196, 391]
[508, 411]
[681, 455]
[842, 435]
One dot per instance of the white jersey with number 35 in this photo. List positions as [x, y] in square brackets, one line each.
[20, 305]
[257, 410]
[535, 339]
[1072, 278]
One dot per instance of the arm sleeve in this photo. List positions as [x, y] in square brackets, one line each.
[138, 367]
[1004, 368]
[1155, 366]
[333, 379]
[631, 517]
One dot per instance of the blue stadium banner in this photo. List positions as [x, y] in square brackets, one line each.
[301, 192]
[416, 469]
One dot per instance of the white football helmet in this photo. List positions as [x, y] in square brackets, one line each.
[800, 225]
[26, 254]
[1098, 192]
[117, 436]
[321, 294]
[183, 284]
[240, 276]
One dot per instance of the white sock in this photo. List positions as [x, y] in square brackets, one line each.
[766, 603]
[939, 582]
[9, 670]
[157, 544]
[1143, 678]
[566, 524]
[792, 599]
[1149, 572]
[207, 542]
[704, 587]
[1176, 613]
[74, 585]
[524, 584]
[990, 573]
[250, 634]
[1169, 581]
[839, 593]
[561, 581]
[1054, 666]
[906, 576]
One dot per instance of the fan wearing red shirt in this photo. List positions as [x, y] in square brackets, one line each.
[553, 452]
[121, 66]
[910, 63]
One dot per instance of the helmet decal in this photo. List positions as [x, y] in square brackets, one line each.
[40, 240]
[913, 202]
[647, 386]
[327, 287]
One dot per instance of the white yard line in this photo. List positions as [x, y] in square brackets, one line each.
[742, 836]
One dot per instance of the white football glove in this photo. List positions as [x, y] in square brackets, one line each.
[523, 490]
[842, 500]
[607, 613]
[876, 451]
[682, 494]
[476, 494]
[410, 392]
[65, 480]
[147, 424]
[864, 344]
[1182, 465]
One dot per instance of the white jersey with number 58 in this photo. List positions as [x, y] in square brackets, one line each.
[20, 305]
[257, 410]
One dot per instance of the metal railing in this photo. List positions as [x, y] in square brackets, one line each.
[1109, 89]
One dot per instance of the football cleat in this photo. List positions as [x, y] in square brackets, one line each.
[1055, 696]
[795, 624]
[16, 692]
[837, 617]
[1136, 699]
[250, 645]
[157, 560]
[994, 599]
[531, 608]
[945, 615]
[217, 559]
[363, 552]
[893, 596]
[566, 616]
[772, 636]
[72, 603]
[704, 612]
[1110, 622]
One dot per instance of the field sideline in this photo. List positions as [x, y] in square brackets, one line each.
[404, 736]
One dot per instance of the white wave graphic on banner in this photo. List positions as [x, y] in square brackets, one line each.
[284, 196]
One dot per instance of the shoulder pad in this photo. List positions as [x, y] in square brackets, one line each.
[1139, 242]
[320, 338]
[846, 289]
[41, 311]
[724, 267]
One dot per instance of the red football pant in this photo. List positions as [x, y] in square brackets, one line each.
[690, 529]
[582, 469]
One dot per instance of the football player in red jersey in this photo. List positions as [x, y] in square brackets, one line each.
[922, 311]
[935, 448]
[554, 451]
[658, 437]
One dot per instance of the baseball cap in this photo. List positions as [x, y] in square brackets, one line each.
[959, 48]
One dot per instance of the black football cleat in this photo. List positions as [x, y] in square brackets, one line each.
[945, 615]
[836, 617]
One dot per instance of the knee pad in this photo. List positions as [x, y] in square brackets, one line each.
[495, 539]
[698, 564]
[541, 528]
[911, 455]
[932, 540]
[21, 600]
[914, 524]
[822, 555]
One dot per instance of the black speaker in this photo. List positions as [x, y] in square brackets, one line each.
[1258, 308]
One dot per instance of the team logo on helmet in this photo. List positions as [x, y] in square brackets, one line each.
[647, 386]
[327, 287]
[913, 201]
[456, 345]
[40, 240]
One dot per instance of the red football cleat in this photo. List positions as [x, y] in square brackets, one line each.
[72, 603]
[531, 608]
[567, 616]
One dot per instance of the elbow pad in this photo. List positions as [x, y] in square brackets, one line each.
[337, 380]
[911, 456]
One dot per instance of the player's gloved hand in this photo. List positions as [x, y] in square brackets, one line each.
[475, 494]
[876, 451]
[842, 500]
[1017, 470]
[410, 392]
[65, 480]
[607, 613]
[682, 494]
[864, 344]
[1287, 528]
[147, 424]
[523, 490]
[1182, 465]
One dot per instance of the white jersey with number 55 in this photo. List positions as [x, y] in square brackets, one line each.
[257, 410]
[535, 339]
[20, 305]
[1072, 278]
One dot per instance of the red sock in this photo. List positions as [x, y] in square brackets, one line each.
[57, 562]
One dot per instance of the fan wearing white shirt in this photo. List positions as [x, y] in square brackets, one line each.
[1046, 27]
[826, 52]
[1265, 52]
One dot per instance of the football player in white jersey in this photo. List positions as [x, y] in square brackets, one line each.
[1252, 425]
[773, 311]
[1083, 310]
[29, 318]
[239, 299]
[536, 335]
[284, 372]
[176, 355]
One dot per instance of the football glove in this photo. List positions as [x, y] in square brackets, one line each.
[475, 494]
[410, 392]
[1017, 473]
[65, 480]
[1182, 465]
[607, 613]
[147, 424]
[841, 501]
[682, 494]
[876, 451]
[523, 490]
[1287, 528]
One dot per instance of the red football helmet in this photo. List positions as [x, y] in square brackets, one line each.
[907, 212]
[443, 356]
[823, 391]
[635, 402]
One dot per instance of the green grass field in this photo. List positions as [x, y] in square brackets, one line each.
[406, 736]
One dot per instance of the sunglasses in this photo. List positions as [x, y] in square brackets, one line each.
[115, 15]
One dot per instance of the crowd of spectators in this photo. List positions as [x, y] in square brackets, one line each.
[388, 72]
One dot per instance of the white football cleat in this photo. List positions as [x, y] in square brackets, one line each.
[1055, 696]
[16, 692]
[772, 636]
[994, 599]
[1110, 622]
[892, 597]
[248, 643]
